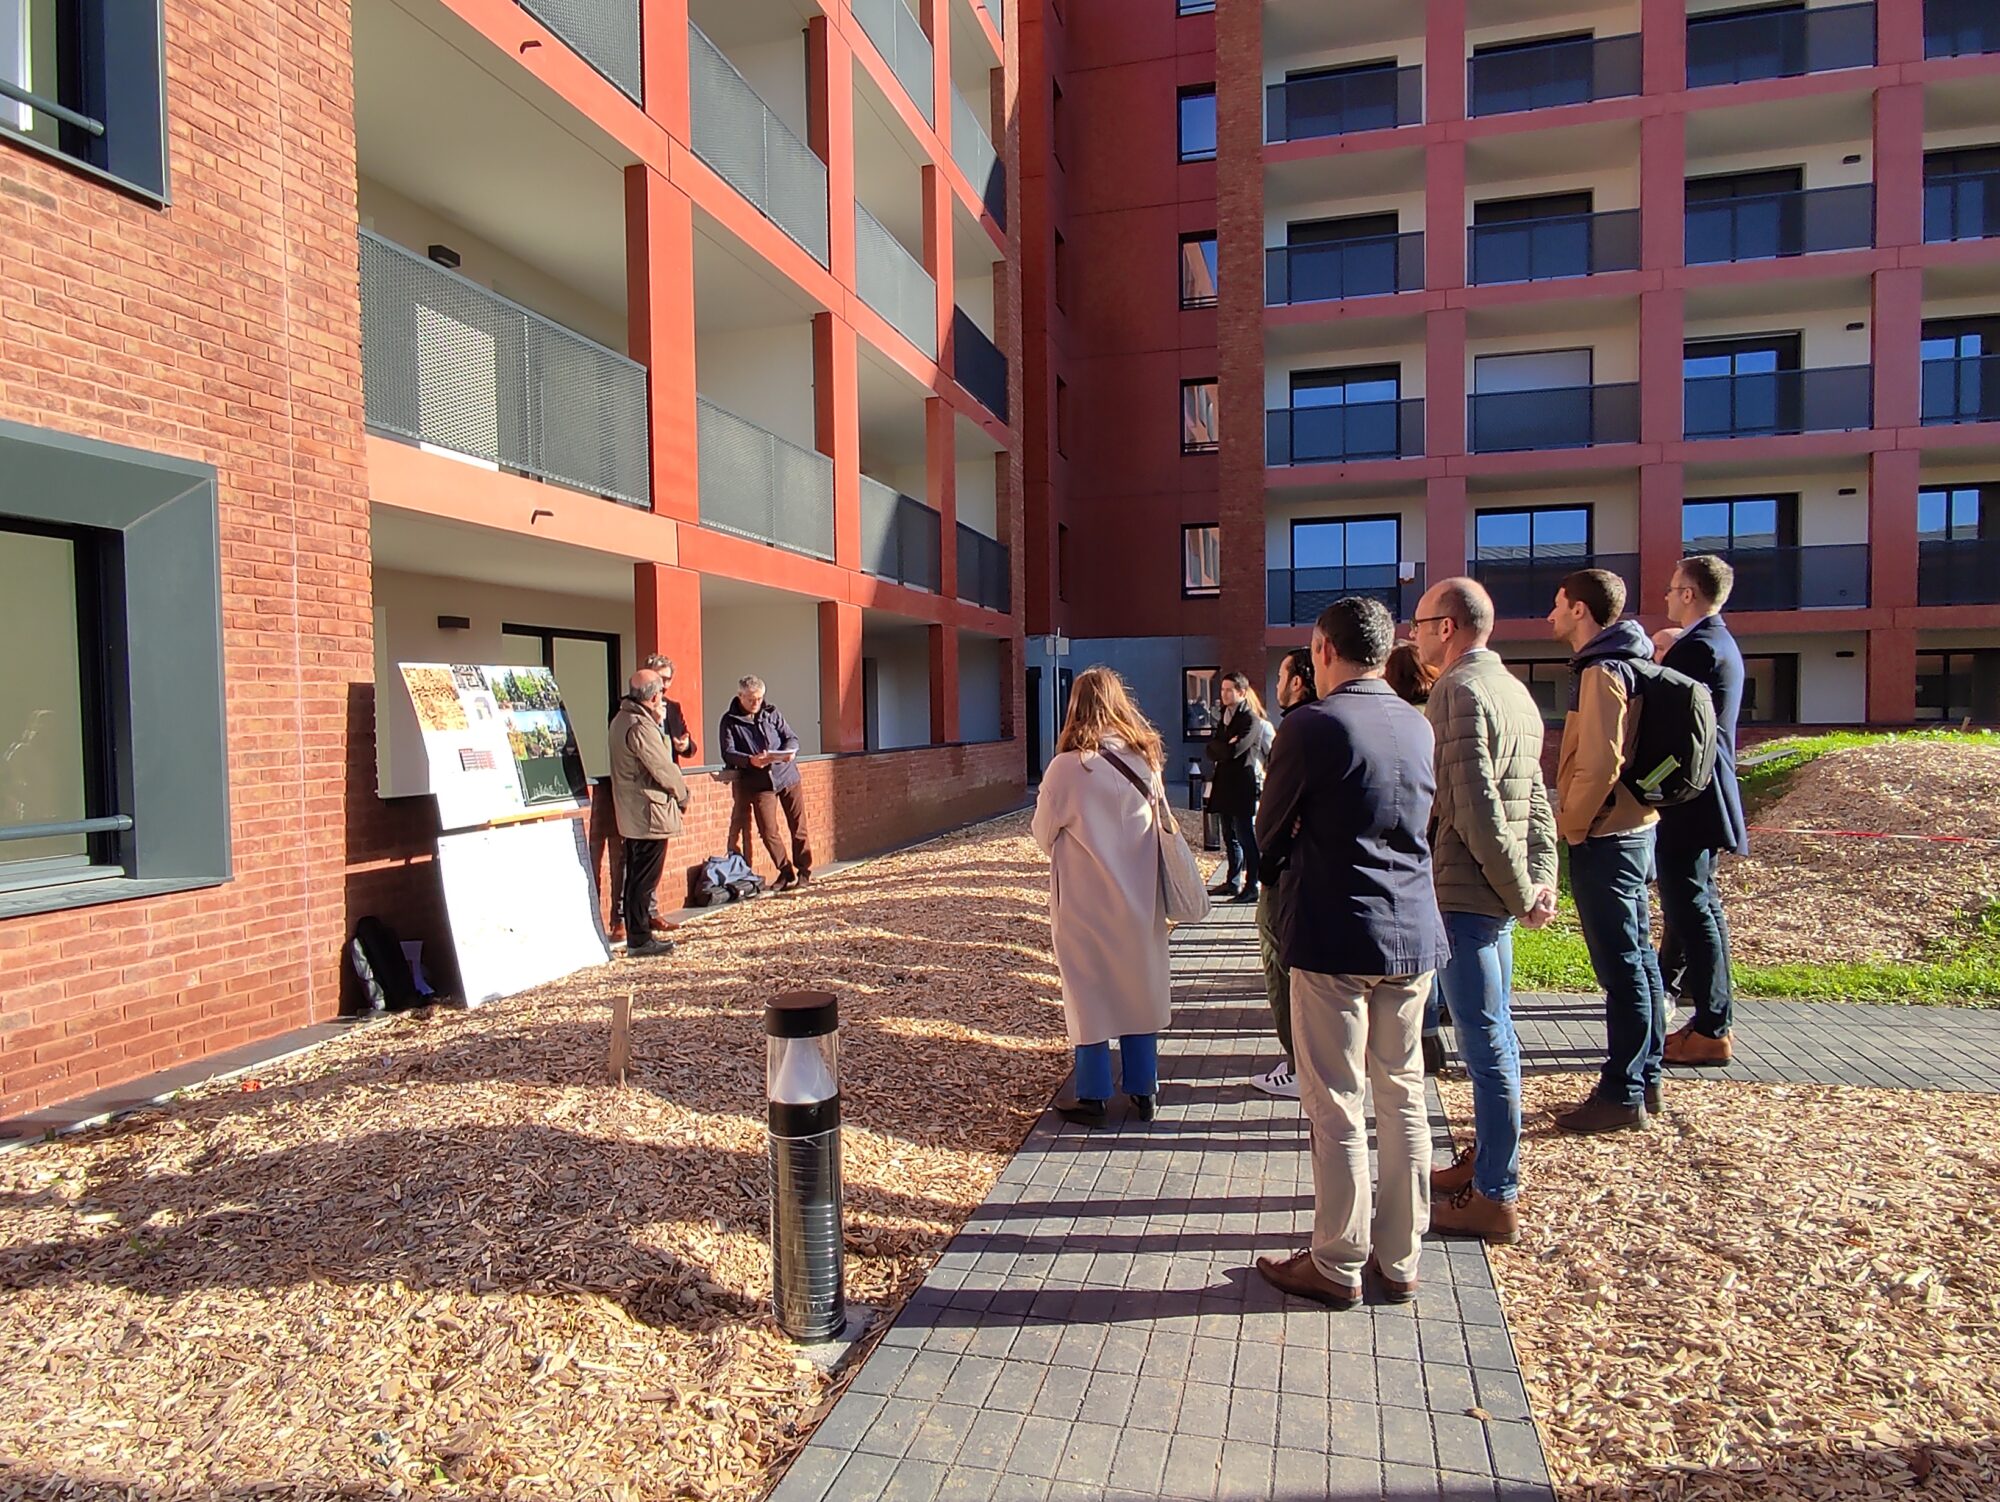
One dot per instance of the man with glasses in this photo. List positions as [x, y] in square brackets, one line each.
[605, 842]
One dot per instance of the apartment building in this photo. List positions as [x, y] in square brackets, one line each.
[1514, 288]
[559, 332]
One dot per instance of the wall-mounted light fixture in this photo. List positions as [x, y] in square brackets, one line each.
[454, 623]
[1848, 652]
[1855, 328]
[1849, 490]
[445, 256]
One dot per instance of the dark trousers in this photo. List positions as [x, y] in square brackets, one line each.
[1698, 936]
[1239, 839]
[644, 859]
[1277, 979]
[1607, 881]
[765, 808]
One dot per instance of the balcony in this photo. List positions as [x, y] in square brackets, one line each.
[977, 364]
[900, 38]
[1959, 28]
[1962, 206]
[1963, 388]
[973, 150]
[900, 537]
[756, 485]
[1296, 596]
[1574, 70]
[754, 151]
[1340, 104]
[1763, 226]
[1958, 571]
[1758, 404]
[1328, 272]
[1541, 250]
[1338, 435]
[1830, 576]
[604, 33]
[1779, 44]
[1523, 588]
[985, 574]
[894, 283]
[1564, 418]
[448, 363]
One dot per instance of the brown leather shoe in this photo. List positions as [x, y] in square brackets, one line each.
[1297, 1274]
[1446, 1182]
[1392, 1290]
[1656, 1103]
[1690, 1047]
[1470, 1213]
[1597, 1114]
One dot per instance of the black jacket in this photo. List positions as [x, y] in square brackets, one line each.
[742, 736]
[1707, 653]
[1232, 780]
[1354, 773]
[673, 727]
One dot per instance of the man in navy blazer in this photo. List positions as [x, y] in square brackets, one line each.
[1693, 834]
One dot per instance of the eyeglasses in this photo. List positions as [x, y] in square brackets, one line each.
[1424, 620]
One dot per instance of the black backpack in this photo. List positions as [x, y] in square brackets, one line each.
[380, 969]
[1673, 753]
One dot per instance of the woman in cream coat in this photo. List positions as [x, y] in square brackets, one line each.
[1105, 904]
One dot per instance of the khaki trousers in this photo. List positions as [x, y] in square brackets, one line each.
[1352, 1032]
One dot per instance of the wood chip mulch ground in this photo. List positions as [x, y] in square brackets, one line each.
[443, 1257]
[1779, 1293]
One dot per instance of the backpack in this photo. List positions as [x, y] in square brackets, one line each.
[1673, 752]
[716, 880]
[381, 970]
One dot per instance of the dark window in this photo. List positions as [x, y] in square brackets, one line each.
[1199, 433]
[1958, 513]
[1341, 231]
[1524, 210]
[587, 669]
[1333, 101]
[1956, 686]
[1195, 7]
[1745, 216]
[1201, 695]
[1723, 524]
[1548, 686]
[1197, 125]
[84, 82]
[1532, 239]
[1770, 689]
[1198, 267]
[1201, 560]
[1058, 123]
[1362, 542]
[1536, 74]
[1352, 386]
[1961, 370]
[1060, 261]
[1533, 534]
[1741, 386]
[1962, 193]
[1062, 416]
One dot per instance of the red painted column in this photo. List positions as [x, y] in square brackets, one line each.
[1661, 488]
[659, 249]
[1893, 480]
[1444, 215]
[941, 480]
[1444, 60]
[840, 721]
[663, 63]
[938, 257]
[667, 609]
[944, 684]
[936, 18]
[1899, 165]
[830, 133]
[1663, 46]
[1899, 34]
[1445, 528]
[1662, 191]
[1661, 341]
[837, 428]
[1445, 383]
[1897, 338]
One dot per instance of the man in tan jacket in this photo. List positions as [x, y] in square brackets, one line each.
[1493, 849]
[648, 793]
[1609, 833]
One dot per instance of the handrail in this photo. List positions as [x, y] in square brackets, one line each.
[108, 824]
[62, 112]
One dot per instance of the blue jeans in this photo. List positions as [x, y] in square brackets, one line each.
[1478, 986]
[1692, 909]
[1607, 880]
[1138, 1061]
[1239, 840]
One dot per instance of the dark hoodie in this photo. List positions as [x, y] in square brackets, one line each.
[1597, 737]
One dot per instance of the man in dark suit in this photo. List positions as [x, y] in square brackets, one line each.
[1693, 834]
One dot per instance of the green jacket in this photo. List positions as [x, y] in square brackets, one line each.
[1493, 836]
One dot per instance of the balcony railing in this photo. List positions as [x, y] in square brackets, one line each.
[1344, 268]
[899, 537]
[1337, 435]
[446, 362]
[604, 33]
[1540, 250]
[1304, 109]
[1958, 28]
[972, 149]
[1965, 388]
[1962, 206]
[1827, 576]
[1296, 596]
[985, 575]
[1765, 225]
[900, 38]
[1827, 400]
[978, 364]
[1562, 418]
[1526, 587]
[894, 283]
[1958, 571]
[752, 150]
[758, 485]
[1574, 70]
[1779, 44]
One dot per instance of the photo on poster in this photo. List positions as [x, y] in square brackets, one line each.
[545, 756]
[524, 688]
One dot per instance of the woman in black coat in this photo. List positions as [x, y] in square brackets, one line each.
[1235, 752]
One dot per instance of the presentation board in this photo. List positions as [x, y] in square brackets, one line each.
[522, 906]
[496, 739]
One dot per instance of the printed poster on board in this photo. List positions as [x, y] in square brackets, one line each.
[496, 740]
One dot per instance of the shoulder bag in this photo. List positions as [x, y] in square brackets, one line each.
[1181, 884]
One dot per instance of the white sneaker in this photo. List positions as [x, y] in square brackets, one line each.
[1279, 1080]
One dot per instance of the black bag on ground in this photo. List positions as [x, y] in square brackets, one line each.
[1673, 752]
[375, 958]
[715, 880]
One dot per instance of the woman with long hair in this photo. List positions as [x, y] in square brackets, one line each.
[1236, 750]
[1095, 820]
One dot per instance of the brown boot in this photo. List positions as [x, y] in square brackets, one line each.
[1392, 1290]
[1470, 1213]
[1597, 1114]
[1690, 1047]
[1446, 1182]
[1298, 1275]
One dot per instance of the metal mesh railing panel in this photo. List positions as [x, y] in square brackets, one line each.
[754, 151]
[899, 37]
[878, 529]
[899, 536]
[757, 485]
[984, 570]
[972, 148]
[446, 362]
[978, 364]
[894, 283]
[604, 33]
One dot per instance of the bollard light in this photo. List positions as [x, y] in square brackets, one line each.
[802, 1075]
[1194, 772]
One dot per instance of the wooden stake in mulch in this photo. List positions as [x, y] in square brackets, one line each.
[621, 1036]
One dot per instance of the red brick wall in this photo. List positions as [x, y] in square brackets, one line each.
[225, 329]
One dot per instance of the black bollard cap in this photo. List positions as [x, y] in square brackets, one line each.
[802, 1014]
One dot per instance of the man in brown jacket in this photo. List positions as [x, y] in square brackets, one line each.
[1609, 833]
[648, 792]
[1493, 849]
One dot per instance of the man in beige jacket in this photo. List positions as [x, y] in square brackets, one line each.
[648, 793]
[1493, 849]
